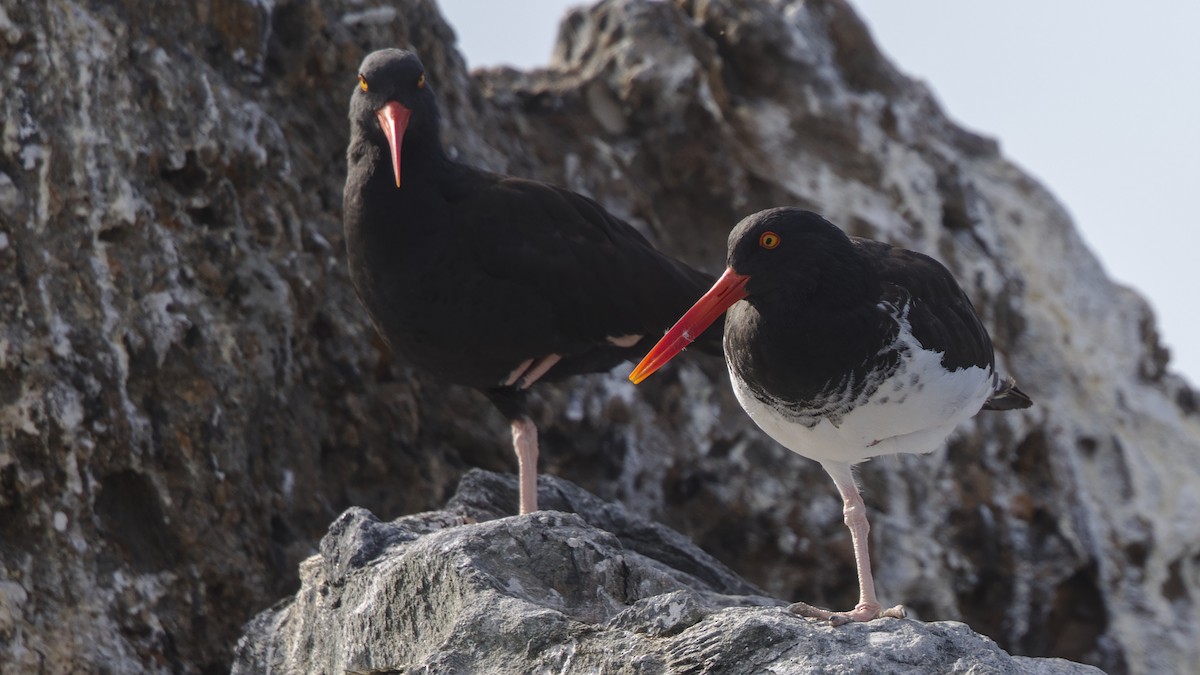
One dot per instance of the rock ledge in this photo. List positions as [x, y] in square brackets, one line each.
[595, 589]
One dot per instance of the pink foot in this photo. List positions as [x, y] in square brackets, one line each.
[863, 612]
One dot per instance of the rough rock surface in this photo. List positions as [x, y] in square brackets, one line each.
[190, 393]
[603, 591]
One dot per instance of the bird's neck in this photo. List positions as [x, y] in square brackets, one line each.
[422, 155]
[800, 351]
[845, 282]
[381, 217]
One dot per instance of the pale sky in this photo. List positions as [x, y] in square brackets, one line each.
[1099, 100]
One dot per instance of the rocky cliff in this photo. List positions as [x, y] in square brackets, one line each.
[190, 393]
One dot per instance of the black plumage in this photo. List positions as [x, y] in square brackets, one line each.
[487, 280]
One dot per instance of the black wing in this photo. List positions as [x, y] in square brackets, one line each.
[597, 276]
[941, 314]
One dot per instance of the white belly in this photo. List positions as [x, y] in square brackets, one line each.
[897, 417]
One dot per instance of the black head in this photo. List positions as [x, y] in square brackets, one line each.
[793, 251]
[392, 75]
[393, 104]
[783, 258]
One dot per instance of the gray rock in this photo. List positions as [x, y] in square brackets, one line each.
[558, 592]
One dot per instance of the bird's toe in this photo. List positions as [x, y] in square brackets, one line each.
[897, 612]
[863, 612]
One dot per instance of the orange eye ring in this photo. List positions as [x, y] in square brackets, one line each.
[768, 240]
[421, 81]
[362, 82]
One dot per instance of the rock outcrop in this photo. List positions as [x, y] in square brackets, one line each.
[599, 592]
[190, 392]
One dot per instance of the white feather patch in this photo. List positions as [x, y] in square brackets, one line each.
[912, 411]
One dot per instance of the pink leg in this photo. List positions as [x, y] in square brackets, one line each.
[518, 372]
[525, 442]
[536, 370]
[530, 371]
[855, 515]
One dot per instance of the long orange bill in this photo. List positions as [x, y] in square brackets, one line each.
[730, 288]
[393, 119]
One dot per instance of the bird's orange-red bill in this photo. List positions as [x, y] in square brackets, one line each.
[393, 120]
[730, 288]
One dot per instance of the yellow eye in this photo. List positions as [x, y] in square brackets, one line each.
[362, 82]
[421, 81]
[768, 240]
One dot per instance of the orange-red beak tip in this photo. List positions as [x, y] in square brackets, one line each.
[729, 289]
[393, 120]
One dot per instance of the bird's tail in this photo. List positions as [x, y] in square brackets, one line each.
[1008, 397]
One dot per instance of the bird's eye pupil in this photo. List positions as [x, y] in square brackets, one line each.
[421, 81]
[768, 240]
[362, 82]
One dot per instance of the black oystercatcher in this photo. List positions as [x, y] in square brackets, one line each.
[844, 349]
[486, 280]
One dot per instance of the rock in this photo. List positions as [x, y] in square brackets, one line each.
[557, 591]
[190, 392]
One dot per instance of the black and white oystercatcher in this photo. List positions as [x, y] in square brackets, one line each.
[486, 280]
[844, 349]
